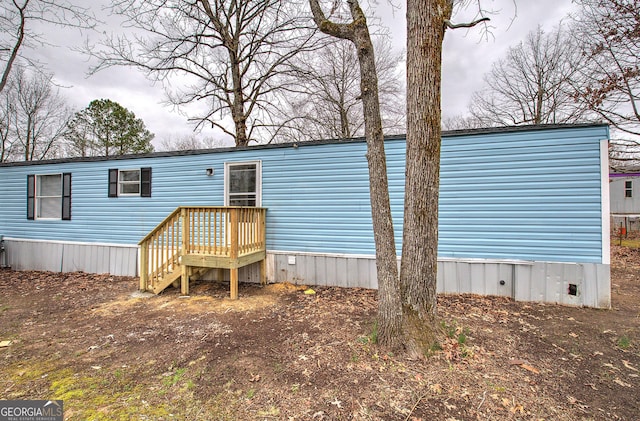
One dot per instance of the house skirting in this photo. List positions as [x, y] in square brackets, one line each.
[60, 256]
[578, 284]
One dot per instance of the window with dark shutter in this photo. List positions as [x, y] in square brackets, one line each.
[145, 182]
[66, 196]
[113, 182]
[49, 196]
[31, 196]
[130, 182]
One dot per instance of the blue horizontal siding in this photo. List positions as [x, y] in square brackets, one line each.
[531, 195]
[527, 195]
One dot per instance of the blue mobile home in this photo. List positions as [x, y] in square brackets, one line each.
[524, 212]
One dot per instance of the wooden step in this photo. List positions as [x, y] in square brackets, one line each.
[167, 280]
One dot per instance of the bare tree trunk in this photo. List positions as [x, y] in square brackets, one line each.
[418, 271]
[28, 154]
[389, 314]
[16, 47]
[237, 109]
[344, 122]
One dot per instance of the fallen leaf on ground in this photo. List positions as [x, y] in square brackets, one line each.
[628, 365]
[449, 406]
[436, 388]
[4, 344]
[517, 408]
[611, 366]
[621, 383]
[530, 368]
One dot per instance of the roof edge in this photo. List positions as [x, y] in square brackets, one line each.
[445, 134]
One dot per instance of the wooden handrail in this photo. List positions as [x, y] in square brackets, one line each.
[160, 225]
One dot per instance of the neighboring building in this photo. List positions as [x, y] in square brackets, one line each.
[524, 211]
[625, 201]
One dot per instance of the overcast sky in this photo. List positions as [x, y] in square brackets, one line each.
[466, 58]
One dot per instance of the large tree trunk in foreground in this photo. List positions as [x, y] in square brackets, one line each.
[389, 308]
[418, 271]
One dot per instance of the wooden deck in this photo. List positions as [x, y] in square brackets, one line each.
[193, 240]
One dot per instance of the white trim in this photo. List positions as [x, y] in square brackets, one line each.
[626, 215]
[491, 261]
[373, 257]
[258, 164]
[78, 243]
[311, 253]
[605, 199]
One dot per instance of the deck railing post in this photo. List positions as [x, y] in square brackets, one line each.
[184, 278]
[233, 255]
[144, 266]
[233, 216]
[263, 228]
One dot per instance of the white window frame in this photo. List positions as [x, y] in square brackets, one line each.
[122, 183]
[38, 196]
[258, 164]
[628, 191]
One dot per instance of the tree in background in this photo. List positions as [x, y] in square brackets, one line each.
[608, 33]
[190, 142]
[6, 118]
[16, 19]
[532, 84]
[233, 55]
[106, 128]
[460, 122]
[33, 117]
[609, 36]
[330, 104]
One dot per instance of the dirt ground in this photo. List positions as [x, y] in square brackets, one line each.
[279, 353]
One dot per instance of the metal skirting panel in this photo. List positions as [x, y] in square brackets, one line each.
[305, 269]
[551, 283]
[72, 257]
[589, 283]
[324, 270]
[29, 255]
[522, 280]
[483, 278]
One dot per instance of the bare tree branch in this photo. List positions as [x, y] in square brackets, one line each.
[16, 14]
[450, 25]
